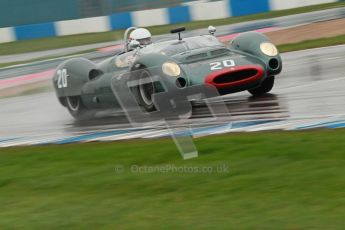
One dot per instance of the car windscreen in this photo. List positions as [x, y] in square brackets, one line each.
[176, 47]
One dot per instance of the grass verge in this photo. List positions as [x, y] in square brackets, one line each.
[276, 180]
[26, 90]
[19, 47]
[7, 64]
[315, 43]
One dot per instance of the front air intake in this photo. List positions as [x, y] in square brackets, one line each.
[235, 76]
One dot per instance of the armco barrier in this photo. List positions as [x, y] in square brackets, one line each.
[193, 11]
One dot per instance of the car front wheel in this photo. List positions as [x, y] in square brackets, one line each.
[145, 90]
[265, 87]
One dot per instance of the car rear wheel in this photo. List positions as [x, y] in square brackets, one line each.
[265, 87]
[77, 109]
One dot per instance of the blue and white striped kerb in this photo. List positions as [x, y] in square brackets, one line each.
[147, 133]
[193, 11]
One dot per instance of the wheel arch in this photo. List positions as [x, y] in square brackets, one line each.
[151, 60]
[250, 43]
[78, 72]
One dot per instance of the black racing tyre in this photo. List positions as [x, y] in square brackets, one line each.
[144, 91]
[265, 87]
[77, 109]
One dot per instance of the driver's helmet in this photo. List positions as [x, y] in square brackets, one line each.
[142, 35]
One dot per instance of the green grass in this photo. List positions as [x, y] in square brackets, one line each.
[25, 92]
[75, 40]
[315, 43]
[277, 180]
[7, 64]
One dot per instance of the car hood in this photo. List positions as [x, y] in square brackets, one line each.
[197, 66]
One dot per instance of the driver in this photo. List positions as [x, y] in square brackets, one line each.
[142, 35]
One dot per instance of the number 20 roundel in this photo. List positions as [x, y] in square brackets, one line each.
[221, 65]
[62, 78]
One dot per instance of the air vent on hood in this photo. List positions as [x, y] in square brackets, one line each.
[219, 52]
[196, 56]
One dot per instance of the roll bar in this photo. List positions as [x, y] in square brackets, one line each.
[130, 29]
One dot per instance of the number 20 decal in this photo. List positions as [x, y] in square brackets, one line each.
[62, 78]
[221, 65]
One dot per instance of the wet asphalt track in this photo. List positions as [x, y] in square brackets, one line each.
[310, 86]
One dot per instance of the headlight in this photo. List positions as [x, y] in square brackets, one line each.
[269, 49]
[171, 69]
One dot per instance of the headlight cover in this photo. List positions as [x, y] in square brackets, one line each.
[269, 49]
[171, 69]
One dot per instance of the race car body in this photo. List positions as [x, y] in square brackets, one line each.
[249, 62]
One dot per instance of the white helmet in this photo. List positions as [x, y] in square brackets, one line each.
[143, 36]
